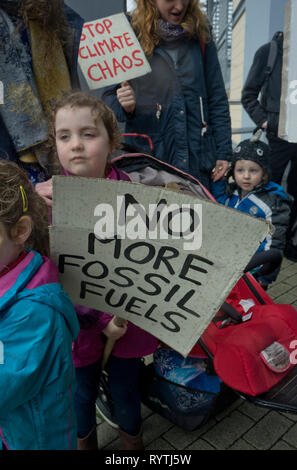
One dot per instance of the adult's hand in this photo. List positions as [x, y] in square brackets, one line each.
[45, 190]
[126, 97]
[219, 170]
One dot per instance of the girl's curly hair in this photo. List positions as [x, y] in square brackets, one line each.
[17, 194]
[144, 22]
[99, 109]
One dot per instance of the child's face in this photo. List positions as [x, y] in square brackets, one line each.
[172, 11]
[9, 251]
[247, 175]
[83, 145]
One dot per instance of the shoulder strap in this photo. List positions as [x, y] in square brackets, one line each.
[271, 58]
[272, 55]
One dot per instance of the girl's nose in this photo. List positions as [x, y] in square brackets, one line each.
[76, 142]
[179, 4]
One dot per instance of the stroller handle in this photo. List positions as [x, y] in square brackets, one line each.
[268, 260]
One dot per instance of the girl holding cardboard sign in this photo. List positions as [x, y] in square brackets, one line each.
[85, 133]
[182, 104]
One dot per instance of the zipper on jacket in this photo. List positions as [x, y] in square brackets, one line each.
[159, 110]
[204, 123]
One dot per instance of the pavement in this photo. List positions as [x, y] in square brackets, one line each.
[241, 426]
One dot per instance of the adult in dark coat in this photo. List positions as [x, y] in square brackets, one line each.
[39, 42]
[265, 113]
[182, 104]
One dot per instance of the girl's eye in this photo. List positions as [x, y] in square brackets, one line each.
[88, 134]
[63, 137]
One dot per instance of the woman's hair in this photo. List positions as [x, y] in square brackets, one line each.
[79, 99]
[18, 198]
[146, 15]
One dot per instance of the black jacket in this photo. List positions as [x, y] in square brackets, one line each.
[180, 90]
[268, 106]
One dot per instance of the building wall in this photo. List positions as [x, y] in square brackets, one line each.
[93, 9]
[237, 70]
[256, 25]
[235, 4]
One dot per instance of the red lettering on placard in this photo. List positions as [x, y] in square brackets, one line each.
[114, 45]
[91, 77]
[99, 28]
[127, 40]
[106, 68]
[80, 53]
[120, 40]
[139, 61]
[90, 52]
[107, 23]
[127, 62]
[116, 66]
[88, 26]
[102, 44]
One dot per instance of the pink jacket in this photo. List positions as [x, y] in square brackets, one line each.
[89, 346]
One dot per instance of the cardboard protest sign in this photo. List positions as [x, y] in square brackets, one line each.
[110, 53]
[287, 129]
[164, 260]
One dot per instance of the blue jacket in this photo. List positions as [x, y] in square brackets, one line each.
[170, 102]
[267, 201]
[37, 327]
[7, 150]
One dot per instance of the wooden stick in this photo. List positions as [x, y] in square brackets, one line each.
[110, 343]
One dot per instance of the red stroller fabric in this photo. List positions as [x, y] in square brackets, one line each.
[241, 351]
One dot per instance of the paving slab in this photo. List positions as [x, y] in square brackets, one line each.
[268, 431]
[291, 436]
[228, 430]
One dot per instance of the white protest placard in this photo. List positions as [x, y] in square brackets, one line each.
[287, 129]
[110, 53]
[164, 260]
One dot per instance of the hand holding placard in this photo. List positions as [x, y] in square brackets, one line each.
[126, 97]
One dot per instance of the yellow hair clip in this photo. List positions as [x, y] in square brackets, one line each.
[25, 200]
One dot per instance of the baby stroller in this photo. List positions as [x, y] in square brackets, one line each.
[225, 363]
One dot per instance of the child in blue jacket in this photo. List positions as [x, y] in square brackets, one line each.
[37, 327]
[247, 188]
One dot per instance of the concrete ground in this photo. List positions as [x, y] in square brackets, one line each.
[242, 426]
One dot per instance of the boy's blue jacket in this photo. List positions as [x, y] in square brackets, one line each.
[37, 327]
[268, 201]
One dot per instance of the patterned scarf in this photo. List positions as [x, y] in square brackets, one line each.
[170, 32]
[22, 112]
[31, 79]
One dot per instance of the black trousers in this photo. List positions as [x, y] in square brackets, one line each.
[283, 152]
